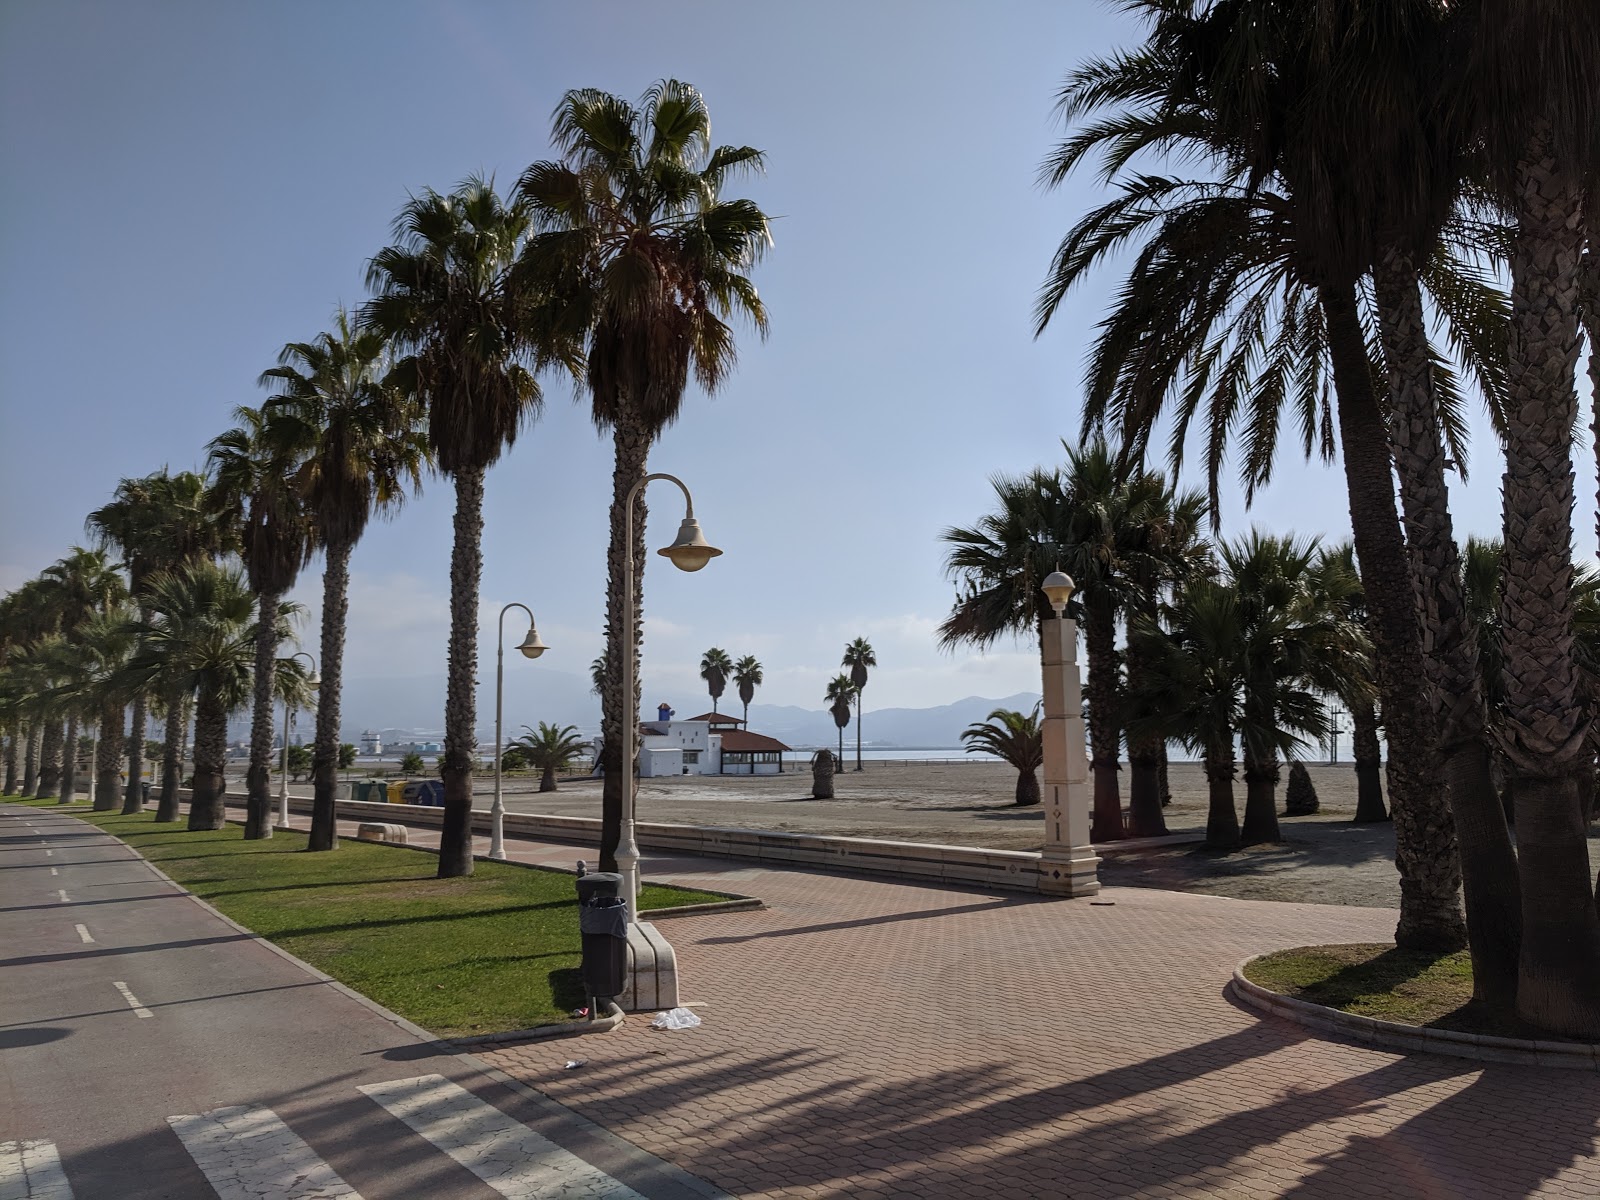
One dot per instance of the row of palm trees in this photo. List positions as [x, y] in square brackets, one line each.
[717, 668]
[620, 263]
[1295, 190]
[843, 694]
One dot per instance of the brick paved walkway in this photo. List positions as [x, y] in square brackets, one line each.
[873, 1039]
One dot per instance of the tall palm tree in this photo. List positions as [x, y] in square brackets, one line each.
[1015, 737]
[1338, 586]
[447, 299]
[1531, 95]
[1246, 296]
[840, 694]
[715, 667]
[365, 449]
[645, 261]
[87, 585]
[254, 468]
[551, 749]
[858, 657]
[747, 678]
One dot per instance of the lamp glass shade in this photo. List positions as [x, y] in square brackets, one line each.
[690, 551]
[1057, 588]
[531, 646]
[313, 680]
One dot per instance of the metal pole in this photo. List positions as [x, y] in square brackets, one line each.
[283, 774]
[497, 810]
[627, 845]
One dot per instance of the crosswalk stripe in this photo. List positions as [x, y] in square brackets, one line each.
[31, 1170]
[83, 932]
[503, 1152]
[247, 1153]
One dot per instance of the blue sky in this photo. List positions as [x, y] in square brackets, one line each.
[190, 185]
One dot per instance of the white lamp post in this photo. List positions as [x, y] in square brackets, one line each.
[1067, 861]
[689, 552]
[531, 647]
[283, 773]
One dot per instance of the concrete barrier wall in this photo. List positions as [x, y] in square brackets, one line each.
[1008, 870]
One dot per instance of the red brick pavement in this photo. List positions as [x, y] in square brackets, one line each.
[877, 1039]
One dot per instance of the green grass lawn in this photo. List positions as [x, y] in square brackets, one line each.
[1388, 984]
[460, 957]
[46, 802]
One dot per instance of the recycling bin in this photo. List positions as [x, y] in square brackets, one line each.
[603, 930]
[373, 791]
[431, 793]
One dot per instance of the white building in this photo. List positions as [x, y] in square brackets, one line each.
[710, 744]
[371, 743]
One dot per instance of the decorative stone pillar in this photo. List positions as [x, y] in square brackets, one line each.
[1068, 861]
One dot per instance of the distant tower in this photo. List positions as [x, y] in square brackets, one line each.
[371, 743]
[663, 712]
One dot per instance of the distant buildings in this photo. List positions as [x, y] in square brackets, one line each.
[710, 744]
[371, 742]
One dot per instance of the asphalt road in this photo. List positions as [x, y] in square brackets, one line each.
[151, 1051]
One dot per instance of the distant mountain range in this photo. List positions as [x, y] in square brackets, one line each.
[404, 709]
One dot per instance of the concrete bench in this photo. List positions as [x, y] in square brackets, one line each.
[652, 971]
[381, 831]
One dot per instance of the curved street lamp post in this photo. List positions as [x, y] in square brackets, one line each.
[689, 552]
[531, 647]
[1067, 861]
[283, 772]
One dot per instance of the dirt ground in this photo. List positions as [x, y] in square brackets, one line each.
[1323, 859]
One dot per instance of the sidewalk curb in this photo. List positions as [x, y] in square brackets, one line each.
[640, 1161]
[1413, 1039]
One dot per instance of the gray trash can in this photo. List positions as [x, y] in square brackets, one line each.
[603, 929]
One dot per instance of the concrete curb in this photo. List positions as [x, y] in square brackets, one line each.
[1413, 1039]
[641, 1160]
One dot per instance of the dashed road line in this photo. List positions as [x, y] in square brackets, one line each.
[139, 1010]
[500, 1150]
[53, 871]
[248, 1153]
[31, 1170]
[65, 899]
[49, 853]
[83, 932]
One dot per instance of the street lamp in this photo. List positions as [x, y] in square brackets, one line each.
[283, 774]
[1067, 860]
[531, 647]
[689, 552]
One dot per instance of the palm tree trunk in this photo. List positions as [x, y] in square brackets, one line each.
[1105, 735]
[1165, 785]
[50, 760]
[11, 758]
[258, 777]
[858, 729]
[1222, 818]
[1261, 774]
[108, 757]
[460, 707]
[30, 760]
[1589, 300]
[631, 444]
[325, 752]
[1425, 843]
[547, 781]
[69, 762]
[1368, 757]
[1455, 691]
[1027, 787]
[172, 759]
[206, 807]
[1145, 818]
[133, 793]
[1545, 727]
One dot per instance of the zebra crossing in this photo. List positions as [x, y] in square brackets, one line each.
[247, 1152]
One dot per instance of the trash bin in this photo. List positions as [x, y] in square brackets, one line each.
[431, 793]
[373, 791]
[603, 929]
[144, 791]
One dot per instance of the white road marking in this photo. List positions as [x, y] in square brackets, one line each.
[65, 899]
[49, 853]
[503, 1152]
[139, 1010]
[53, 871]
[31, 1170]
[83, 932]
[248, 1153]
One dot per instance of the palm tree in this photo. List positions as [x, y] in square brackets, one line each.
[1337, 583]
[366, 449]
[747, 678]
[551, 749]
[254, 467]
[446, 297]
[858, 656]
[644, 260]
[86, 585]
[1015, 737]
[715, 667]
[597, 675]
[202, 643]
[1531, 94]
[841, 693]
[1245, 296]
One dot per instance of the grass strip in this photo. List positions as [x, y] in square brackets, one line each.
[45, 802]
[1409, 987]
[497, 950]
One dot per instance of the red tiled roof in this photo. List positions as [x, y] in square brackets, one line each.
[718, 719]
[742, 741]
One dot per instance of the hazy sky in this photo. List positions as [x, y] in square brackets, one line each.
[188, 185]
